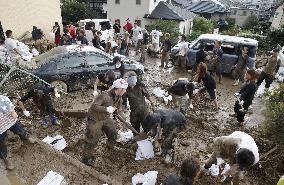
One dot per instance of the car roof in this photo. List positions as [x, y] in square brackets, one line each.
[94, 20]
[227, 38]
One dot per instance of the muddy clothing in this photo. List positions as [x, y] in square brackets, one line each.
[217, 64]
[272, 66]
[41, 97]
[179, 88]
[226, 147]
[209, 85]
[269, 71]
[166, 45]
[166, 48]
[104, 85]
[17, 129]
[247, 95]
[96, 42]
[240, 71]
[99, 122]
[136, 97]
[171, 122]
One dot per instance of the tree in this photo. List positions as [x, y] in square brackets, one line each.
[201, 26]
[167, 26]
[251, 23]
[73, 11]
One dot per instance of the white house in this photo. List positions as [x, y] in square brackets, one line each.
[241, 14]
[135, 10]
[167, 11]
[278, 19]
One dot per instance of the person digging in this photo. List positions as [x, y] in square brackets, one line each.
[163, 125]
[9, 121]
[40, 95]
[100, 119]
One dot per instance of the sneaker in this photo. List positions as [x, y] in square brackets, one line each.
[236, 83]
[8, 164]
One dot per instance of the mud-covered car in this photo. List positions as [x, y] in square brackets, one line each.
[231, 46]
[77, 67]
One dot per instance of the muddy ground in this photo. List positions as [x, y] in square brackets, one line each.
[204, 123]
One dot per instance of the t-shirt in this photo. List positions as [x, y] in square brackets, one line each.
[179, 88]
[209, 82]
[171, 118]
[136, 31]
[183, 47]
[10, 44]
[156, 36]
[270, 67]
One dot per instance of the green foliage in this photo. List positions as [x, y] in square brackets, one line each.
[201, 26]
[231, 22]
[274, 125]
[75, 10]
[251, 23]
[167, 26]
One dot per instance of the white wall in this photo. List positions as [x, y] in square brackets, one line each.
[20, 15]
[278, 19]
[239, 17]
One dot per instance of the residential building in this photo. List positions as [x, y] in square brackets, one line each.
[99, 6]
[213, 9]
[278, 18]
[20, 16]
[168, 11]
[135, 10]
[241, 14]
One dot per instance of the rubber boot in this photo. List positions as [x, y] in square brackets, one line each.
[8, 164]
[236, 83]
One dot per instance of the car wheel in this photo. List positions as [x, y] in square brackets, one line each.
[129, 73]
[61, 86]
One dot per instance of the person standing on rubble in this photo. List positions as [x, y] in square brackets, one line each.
[239, 150]
[144, 44]
[82, 38]
[56, 31]
[208, 82]
[189, 172]
[9, 121]
[245, 96]
[42, 99]
[241, 67]
[136, 94]
[100, 119]
[183, 49]
[11, 45]
[165, 50]
[218, 60]
[179, 90]
[163, 125]
[271, 68]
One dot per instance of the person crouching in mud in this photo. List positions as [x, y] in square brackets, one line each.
[163, 125]
[104, 82]
[239, 150]
[245, 96]
[179, 90]
[99, 119]
[42, 99]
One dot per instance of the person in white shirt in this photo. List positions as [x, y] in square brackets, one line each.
[11, 44]
[183, 48]
[155, 35]
[136, 30]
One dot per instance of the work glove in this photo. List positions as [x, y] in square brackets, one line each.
[95, 93]
[111, 109]
[27, 113]
[191, 106]
[57, 95]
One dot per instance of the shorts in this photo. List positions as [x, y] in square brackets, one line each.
[212, 93]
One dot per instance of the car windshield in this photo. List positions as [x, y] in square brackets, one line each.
[71, 60]
[97, 59]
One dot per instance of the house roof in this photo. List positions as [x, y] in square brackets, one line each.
[206, 6]
[167, 11]
[183, 3]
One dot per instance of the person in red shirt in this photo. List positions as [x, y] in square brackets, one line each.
[128, 27]
[73, 32]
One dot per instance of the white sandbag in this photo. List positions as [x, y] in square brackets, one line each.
[148, 178]
[57, 142]
[158, 92]
[35, 52]
[51, 178]
[145, 150]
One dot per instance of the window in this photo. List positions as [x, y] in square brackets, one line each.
[138, 2]
[155, 1]
[97, 59]
[244, 13]
[117, 1]
[71, 61]
[235, 12]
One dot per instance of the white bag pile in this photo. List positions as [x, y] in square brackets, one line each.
[148, 178]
